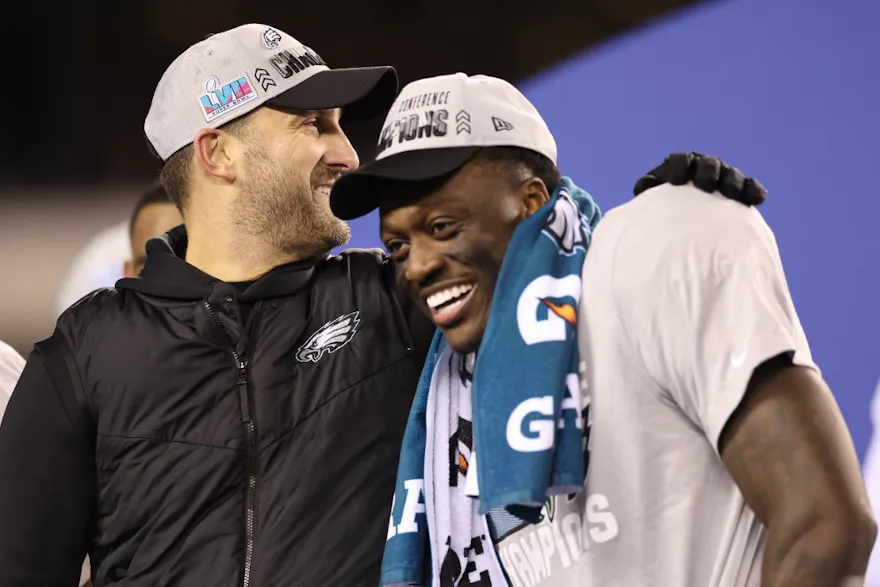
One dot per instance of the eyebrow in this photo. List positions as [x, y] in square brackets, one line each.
[383, 228]
[386, 230]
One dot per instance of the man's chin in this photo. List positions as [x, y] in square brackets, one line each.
[319, 245]
[462, 339]
[341, 237]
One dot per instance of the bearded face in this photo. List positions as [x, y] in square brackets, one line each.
[288, 208]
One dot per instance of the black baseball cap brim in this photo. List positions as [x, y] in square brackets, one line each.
[360, 192]
[363, 92]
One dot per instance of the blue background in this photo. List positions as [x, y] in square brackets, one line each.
[786, 91]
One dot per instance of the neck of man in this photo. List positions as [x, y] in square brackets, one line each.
[215, 248]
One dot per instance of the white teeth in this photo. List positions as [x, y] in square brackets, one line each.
[441, 297]
[325, 190]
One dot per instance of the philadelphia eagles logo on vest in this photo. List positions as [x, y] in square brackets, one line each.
[329, 338]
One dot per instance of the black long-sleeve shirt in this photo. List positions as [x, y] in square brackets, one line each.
[47, 496]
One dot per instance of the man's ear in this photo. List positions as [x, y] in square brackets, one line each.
[215, 151]
[534, 195]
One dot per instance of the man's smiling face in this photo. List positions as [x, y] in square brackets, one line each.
[448, 240]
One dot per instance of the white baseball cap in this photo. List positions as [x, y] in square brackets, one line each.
[435, 126]
[231, 73]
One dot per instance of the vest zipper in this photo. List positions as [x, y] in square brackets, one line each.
[241, 366]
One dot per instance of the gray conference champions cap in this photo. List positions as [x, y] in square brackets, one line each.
[231, 73]
[435, 126]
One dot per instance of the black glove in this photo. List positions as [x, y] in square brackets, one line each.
[710, 174]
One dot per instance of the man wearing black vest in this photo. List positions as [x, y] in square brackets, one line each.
[234, 415]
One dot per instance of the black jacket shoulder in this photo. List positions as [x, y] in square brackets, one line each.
[421, 329]
[85, 315]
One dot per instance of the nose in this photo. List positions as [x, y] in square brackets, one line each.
[340, 155]
[423, 263]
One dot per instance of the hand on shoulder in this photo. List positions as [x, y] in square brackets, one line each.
[708, 173]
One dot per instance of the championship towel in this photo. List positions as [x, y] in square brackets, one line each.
[527, 420]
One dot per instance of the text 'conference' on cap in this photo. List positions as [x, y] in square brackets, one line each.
[229, 74]
[434, 127]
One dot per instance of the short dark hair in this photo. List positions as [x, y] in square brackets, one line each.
[176, 170]
[539, 165]
[155, 195]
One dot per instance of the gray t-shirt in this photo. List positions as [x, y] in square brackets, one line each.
[683, 296]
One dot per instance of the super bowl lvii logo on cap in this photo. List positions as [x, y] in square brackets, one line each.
[218, 100]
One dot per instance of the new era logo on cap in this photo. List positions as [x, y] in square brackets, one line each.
[228, 74]
[501, 124]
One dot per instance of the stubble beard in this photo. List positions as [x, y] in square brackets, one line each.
[280, 209]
